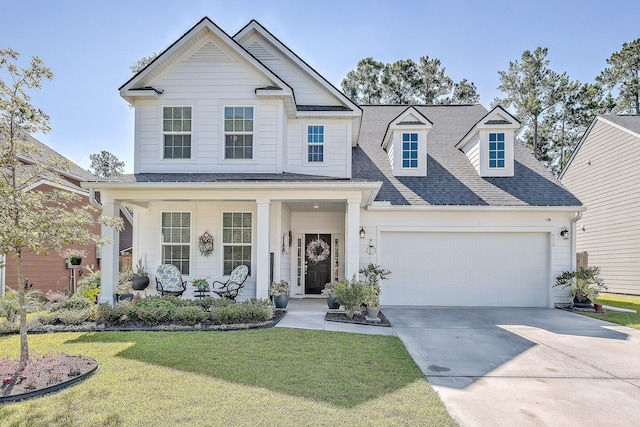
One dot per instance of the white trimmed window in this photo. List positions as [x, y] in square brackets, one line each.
[176, 130]
[409, 150]
[496, 150]
[236, 240]
[176, 240]
[315, 143]
[238, 132]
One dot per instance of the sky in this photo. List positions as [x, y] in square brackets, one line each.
[90, 46]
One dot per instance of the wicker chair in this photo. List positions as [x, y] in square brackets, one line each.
[169, 280]
[232, 287]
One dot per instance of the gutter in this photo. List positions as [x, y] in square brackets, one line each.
[92, 198]
[574, 238]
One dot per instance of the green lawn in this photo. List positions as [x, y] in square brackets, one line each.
[626, 319]
[265, 377]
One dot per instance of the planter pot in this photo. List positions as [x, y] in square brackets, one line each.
[140, 282]
[372, 314]
[598, 307]
[333, 303]
[281, 301]
[124, 297]
[75, 261]
[202, 288]
[582, 304]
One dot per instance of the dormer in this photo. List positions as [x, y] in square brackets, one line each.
[405, 142]
[489, 144]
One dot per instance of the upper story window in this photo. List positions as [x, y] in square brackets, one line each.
[176, 129]
[496, 150]
[238, 132]
[315, 143]
[409, 150]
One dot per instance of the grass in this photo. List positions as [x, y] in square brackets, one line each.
[631, 320]
[261, 377]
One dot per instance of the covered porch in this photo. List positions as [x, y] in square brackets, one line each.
[306, 233]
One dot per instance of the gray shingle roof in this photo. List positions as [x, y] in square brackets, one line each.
[631, 122]
[451, 179]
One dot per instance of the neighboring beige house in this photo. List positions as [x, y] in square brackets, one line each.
[604, 173]
[237, 137]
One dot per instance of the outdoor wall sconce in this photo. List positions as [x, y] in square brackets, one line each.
[362, 233]
[564, 233]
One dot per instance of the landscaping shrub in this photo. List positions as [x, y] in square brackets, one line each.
[222, 302]
[352, 295]
[191, 314]
[153, 315]
[73, 317]
[9, 303]
[231, 313]
[256, 310]
[75, 303]
[112, 315]
[7, 326]
[206, 303]
[89, 286]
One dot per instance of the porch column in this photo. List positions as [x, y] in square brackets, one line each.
[352, 239]
[261, 269]
[110, 261]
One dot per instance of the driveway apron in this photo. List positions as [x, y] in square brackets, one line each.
[525, 366]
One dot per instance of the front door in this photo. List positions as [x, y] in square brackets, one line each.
[317, 262]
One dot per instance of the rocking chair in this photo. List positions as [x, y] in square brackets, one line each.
[231, 288]
[169, 280]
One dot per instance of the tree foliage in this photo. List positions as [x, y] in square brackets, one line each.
[624, 74]
[32, 220]
[105, 164]
[406, 82]
[143, 62]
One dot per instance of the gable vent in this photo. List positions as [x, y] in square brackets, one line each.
[209, 52]
[259, 51]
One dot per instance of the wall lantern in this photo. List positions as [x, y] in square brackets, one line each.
[564, 233]
[362, 233]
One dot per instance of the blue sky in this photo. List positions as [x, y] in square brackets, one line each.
[90, 46]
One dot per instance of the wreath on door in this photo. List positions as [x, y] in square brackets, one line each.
[317, 250]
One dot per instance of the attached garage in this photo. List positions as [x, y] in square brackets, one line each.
[493, 269]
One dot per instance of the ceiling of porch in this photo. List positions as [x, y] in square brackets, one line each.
[317, 206]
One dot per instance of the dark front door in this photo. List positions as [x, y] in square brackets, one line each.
[317, 261]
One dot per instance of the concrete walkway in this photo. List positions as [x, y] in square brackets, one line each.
[512, 366]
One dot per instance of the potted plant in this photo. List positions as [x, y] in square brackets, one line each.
[329, 291]
[200, 284]
[124, 290]
[584, 285]
[372, 301]
[373, 274]
[351, 295]
[280, 293]
[140, 278]
[74, 256]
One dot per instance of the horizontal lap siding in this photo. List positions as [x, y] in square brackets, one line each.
[610, 189]
[336, 144]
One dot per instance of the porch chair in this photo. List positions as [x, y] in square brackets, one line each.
[231, 288]
[169, 280]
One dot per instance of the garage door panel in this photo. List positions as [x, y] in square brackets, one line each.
[465, 269]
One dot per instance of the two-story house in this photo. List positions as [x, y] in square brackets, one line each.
[237, 137]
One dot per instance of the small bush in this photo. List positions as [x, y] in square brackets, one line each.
[232, 313]
[206, 303]
[191, 314]
[112, 315]
[7, 327]
[256, 310]
[74, 303]
[153, 315]
[222, 302]
[73, 317]
[9, 306]
[56, 296]
[352, 295]
[47, 318]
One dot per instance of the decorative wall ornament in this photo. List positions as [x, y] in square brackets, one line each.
[205, 244]
[317, 250]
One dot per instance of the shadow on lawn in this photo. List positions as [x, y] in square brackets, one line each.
[341, 369]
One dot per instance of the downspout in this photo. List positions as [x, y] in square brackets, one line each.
[92, 198]
[575, 219]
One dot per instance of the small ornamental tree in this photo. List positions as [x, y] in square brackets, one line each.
[32, 220]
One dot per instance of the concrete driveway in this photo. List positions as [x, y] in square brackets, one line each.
[525, 366]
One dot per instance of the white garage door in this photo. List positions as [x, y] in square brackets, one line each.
[465, 269]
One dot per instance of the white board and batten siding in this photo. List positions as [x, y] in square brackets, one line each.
[604, 175]
[496, 259]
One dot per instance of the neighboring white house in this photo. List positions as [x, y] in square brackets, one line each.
[603, 174]
[240, 138]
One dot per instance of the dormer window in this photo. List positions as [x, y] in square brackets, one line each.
[409, 150]
[405, 142]
[496, 150]
[489, 144]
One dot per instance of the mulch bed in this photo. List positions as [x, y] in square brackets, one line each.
[358, 319]
[43, 374]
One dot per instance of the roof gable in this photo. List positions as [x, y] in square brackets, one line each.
[409, 119]
[497, 118]
[267, 48]
[219, 46]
